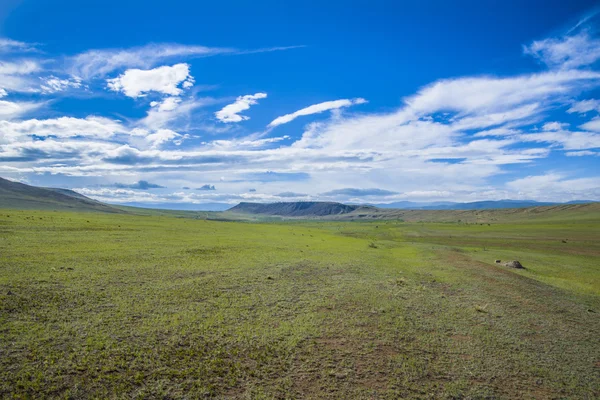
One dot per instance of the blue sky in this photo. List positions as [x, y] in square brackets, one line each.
[185, 103]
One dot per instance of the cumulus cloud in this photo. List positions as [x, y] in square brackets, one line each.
[230, 113]
[316, 109]
[137, 83]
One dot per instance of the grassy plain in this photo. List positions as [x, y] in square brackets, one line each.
[123, 306]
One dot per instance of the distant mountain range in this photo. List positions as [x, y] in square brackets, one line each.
[21, 196]
[296, 209]
[439, 212]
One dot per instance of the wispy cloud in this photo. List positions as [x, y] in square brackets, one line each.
[582, 153]
[539, 186]
[291, 195]
[566, 52]
[584, 106]
[593, 125]
[230, 113]
[53, 84]
[19, 76]
[101, 62]
[495, 94]
[353, 192]
[316, 109]
[12, 109]
[9, 46]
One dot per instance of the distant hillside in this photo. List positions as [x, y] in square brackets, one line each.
[338, 211]
[560, 212]
[296, 209]
[180, 206]
[476, 205]
[17, 195]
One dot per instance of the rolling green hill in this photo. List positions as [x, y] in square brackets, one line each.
[15, 195]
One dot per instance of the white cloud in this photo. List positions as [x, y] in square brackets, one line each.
[137, 83]
[565, 139]
[485, 120]
[230, 112]
[16, 76]
[160, 137]
[584, 106]
[9, 45]
[566, 52]
[174, 111]
[491, 94]
[556, 185]
[593, 125]
[63, 127]
[24, 67]
[581, 153]
[554, 126]
[503, 131]
[9, 109]
[168, 104]
[315, 109]
[99, 63]
[52, 84]
[245, 143]
[3, 93]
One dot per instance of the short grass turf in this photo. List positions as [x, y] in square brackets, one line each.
[122, 306]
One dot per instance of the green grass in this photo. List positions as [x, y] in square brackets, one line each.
[154, 306]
